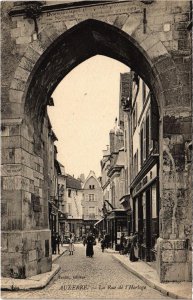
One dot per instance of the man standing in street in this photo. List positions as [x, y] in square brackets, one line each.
[58, 241]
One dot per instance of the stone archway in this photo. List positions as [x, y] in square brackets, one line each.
[43, 65]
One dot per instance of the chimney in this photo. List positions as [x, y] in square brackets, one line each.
[112, 141]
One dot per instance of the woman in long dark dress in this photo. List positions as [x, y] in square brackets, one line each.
[89, 245]
[134, 248]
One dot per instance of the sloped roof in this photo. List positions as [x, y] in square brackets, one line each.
[73, 183]
[91, 174]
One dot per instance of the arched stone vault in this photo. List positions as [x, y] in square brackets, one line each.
[154, 53]
[58, 54]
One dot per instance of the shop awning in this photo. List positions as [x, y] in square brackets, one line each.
[98, 222]
[126, 202]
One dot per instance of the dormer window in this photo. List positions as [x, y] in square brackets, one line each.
[91, 187]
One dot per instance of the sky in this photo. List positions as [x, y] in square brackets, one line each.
[85, 107]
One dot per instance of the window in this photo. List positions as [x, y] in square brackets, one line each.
[91, 210]
[135, 117]
[69, 193]
[69, 208]
[141, 145]
[135, 164]
[91, 197]
[143, 92]
[91, 187]
[148, 129]
[147, 136]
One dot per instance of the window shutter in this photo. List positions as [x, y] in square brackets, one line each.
[141, 145]
[144, 141]
[136, 115]
[154, 120]
[147, 135]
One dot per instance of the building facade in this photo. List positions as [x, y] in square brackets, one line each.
[91, 201]
[73, 207]
[159, 49]
[143, 166]
[114, 187]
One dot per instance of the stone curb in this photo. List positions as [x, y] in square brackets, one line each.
[34, 282]
[59, 255]
[149, 282]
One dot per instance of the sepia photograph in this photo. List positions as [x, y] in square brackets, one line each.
[96, 149]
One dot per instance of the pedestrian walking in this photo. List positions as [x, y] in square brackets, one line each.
[134, 248]
[53, 243]
[84, 239]
[122, 242]
[89, 245]
[58, 242]
[71, 245]
[102, 244]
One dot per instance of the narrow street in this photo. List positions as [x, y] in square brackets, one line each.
[84, 277]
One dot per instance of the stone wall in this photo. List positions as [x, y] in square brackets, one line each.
[157, 47]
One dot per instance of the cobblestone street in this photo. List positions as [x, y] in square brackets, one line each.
[84, 277]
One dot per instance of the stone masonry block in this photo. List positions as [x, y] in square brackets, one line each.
[32, 55]
[11, 110]
[166, 36]
[149, 42]
[15, 96]
[7, 156]
[31, 268]
[5, 256]
[18, 155]
[130, 25]
[120, 20]
[45, 264]
[5, 130]
[172, 98]
[37, 46]
[45, 40]
[70, 23]
[15, 183]
[181, 18]
[23, 40]
[26, 145]
[179, 244]
[167, 245]
[11, 170]
[169, 79]
[26, 64]
[60, 27]
[27, 133]
[10, 142]
[156, 51]
[18, 85]
[8, 183]
[168, 256]
[32, 255]
[139, 35]
[27, 172]
[16, 32]
[22, 74]
[174, 272]
[15, 243]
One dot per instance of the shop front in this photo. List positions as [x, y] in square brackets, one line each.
[53, 218]
[88, 226]
[101, 227]
[116, 225]
[145, 195]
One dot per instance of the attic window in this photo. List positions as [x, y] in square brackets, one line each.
[91, 187]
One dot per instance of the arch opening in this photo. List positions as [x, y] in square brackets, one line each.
[83, 41]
